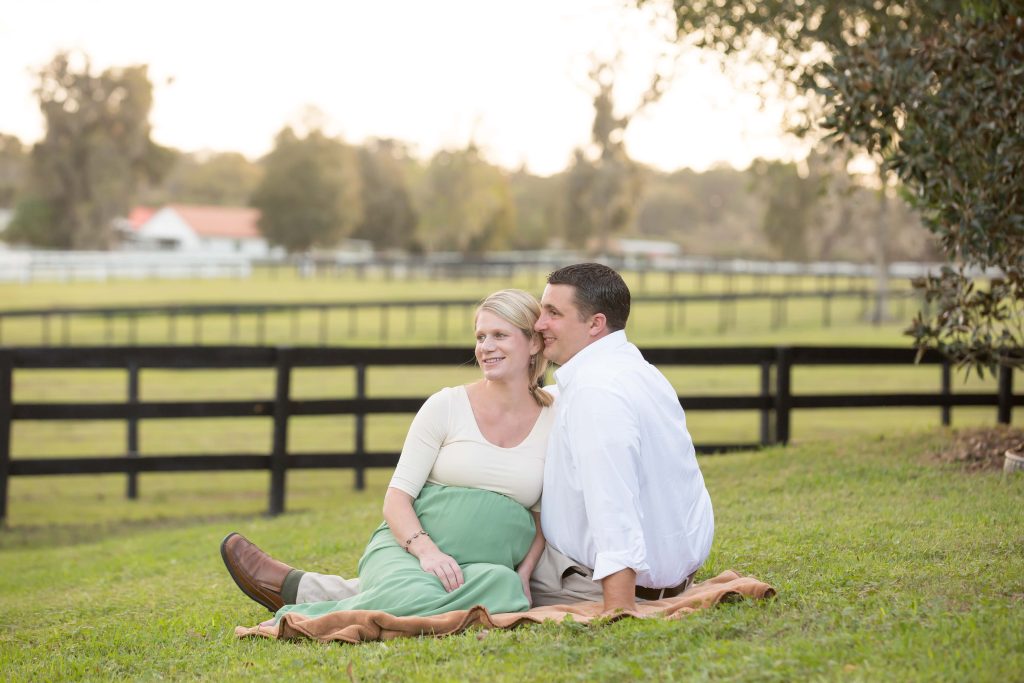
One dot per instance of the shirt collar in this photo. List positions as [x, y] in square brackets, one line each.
[565, 373]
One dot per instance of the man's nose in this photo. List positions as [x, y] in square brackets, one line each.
[539, 325]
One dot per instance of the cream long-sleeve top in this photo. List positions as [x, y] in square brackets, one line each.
[445, 446]
[622, 487]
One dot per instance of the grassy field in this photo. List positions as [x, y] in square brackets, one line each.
[888, 567]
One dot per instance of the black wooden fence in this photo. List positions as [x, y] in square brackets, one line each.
[54, 325]
[774, 401]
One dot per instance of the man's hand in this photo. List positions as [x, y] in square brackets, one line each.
[619, 591]
[443, 566]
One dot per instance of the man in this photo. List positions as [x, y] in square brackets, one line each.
[624, 507]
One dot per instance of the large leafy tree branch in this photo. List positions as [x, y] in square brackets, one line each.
[934, 90]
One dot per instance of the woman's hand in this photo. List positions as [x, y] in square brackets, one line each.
[443, 566]
[409, 534]
[524, 576]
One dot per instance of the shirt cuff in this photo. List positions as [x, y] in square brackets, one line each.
[608, 563]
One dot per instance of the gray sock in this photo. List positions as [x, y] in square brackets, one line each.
[290, 588]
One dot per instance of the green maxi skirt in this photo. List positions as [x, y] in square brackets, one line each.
[487, 533]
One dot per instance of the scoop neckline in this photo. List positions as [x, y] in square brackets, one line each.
[533, 429]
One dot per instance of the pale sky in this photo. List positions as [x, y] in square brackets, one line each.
[511, 75]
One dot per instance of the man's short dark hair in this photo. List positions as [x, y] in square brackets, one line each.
[599, 289]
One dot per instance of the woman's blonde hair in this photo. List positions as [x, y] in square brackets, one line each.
[521, 310]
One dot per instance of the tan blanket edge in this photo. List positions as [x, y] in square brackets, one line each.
[356, 626]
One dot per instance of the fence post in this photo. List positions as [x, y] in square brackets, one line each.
[766, 413]
[6, 417]
[783, 361]
[133, 426]
[1005, 395]
[947, 391]
[279, 454]
[360, 445]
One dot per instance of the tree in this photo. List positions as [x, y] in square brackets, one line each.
[603, 184]
[310, 192]
[792, 203]
[934, 90]
[218, 179]
[95, 154]
[13, 170]
[389, 219]
[538, 208]
[466, 204]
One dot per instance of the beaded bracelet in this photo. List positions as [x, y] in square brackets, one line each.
[412, 538]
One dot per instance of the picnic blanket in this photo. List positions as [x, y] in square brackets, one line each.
[355, 626]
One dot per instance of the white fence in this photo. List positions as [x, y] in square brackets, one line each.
[31, 266]
[62, 266]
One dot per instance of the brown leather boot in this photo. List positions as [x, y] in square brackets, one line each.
[260, 576]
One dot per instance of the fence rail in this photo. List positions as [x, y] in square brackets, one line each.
[674, 315]
[774, 401]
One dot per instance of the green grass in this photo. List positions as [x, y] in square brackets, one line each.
[694, 324]
[888, 567]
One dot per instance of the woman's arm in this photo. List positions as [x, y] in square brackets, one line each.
[404, 523]
[526, 567]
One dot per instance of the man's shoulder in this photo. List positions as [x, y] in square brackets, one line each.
[622, 362]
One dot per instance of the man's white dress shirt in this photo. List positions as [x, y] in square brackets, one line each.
[622, 488]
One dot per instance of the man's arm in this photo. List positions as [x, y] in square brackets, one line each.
[604, 432]
[619, 591]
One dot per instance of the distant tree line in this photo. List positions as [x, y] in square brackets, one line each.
[97, 160]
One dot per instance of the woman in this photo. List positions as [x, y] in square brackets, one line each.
[461, 526]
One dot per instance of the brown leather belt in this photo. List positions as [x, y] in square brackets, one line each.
[660, 593]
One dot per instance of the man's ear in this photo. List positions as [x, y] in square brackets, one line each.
[598, 324]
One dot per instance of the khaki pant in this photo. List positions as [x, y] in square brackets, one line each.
[558, 579]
